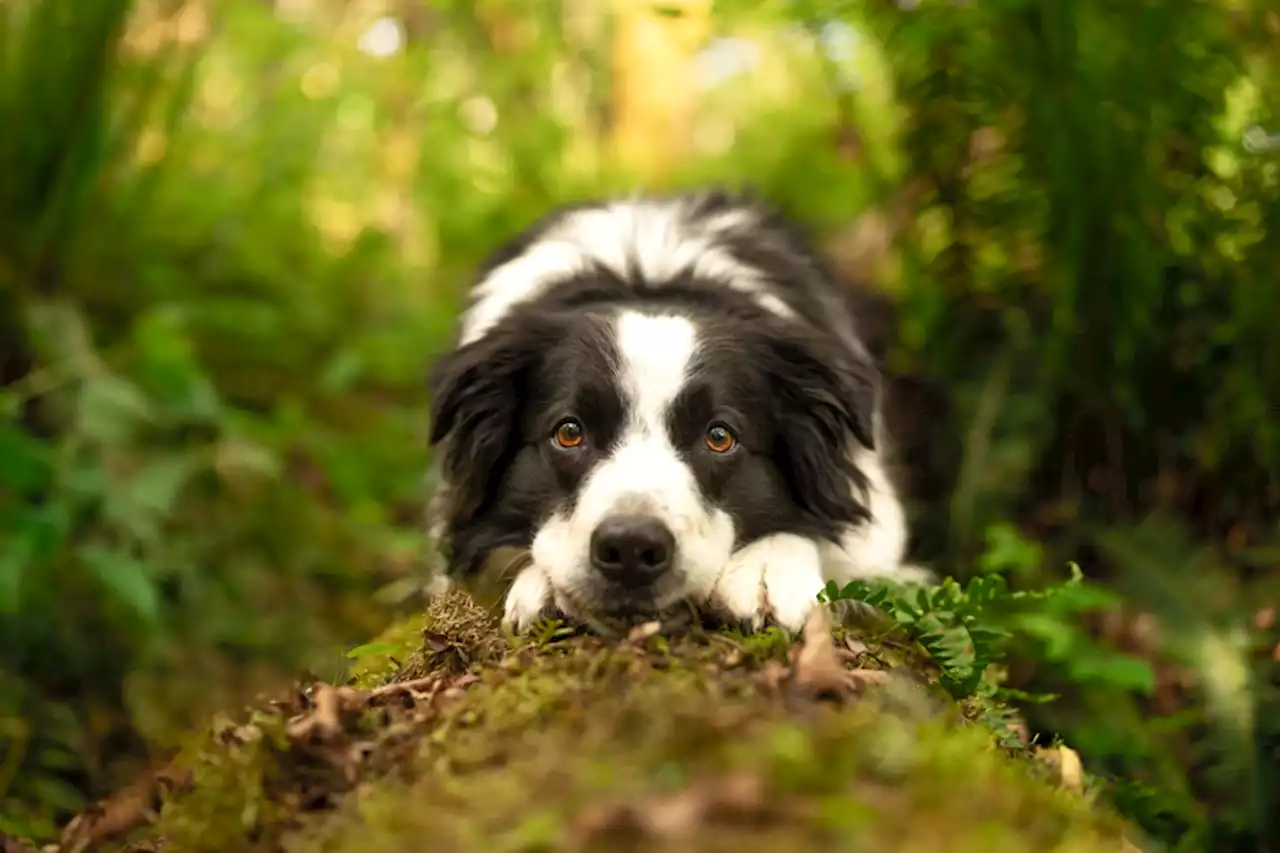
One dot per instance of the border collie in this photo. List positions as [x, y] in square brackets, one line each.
[663, 405]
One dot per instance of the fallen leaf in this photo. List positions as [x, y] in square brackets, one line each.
[1070, 770]
[644, 631]
[120, 812]
[9, 844]
[324, 722]
[855, 646]
[820, 667]
[772, 675]
[677, 816]
[1066, 761]
[867, 677]
[436, 642]
[414, 687]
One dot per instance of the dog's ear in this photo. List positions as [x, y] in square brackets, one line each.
[827, 398]
[476, 394]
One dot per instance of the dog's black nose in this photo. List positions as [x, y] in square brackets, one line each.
[632, 550]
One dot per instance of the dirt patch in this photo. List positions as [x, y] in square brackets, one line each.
[708, 741]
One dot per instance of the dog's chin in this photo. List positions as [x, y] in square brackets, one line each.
[614, 612]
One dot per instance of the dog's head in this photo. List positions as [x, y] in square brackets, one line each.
[633, 450]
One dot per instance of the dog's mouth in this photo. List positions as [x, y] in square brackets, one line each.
[599, 608]
[617, 623]
[617, 616]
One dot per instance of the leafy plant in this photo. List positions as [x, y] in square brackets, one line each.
[966, 628]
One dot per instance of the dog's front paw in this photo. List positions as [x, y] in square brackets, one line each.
[529, 599]
[773, 580]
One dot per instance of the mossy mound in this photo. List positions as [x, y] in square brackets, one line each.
[564, 742]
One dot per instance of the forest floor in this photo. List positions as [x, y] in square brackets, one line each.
[556, 741]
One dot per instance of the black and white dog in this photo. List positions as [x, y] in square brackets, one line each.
[658, 403]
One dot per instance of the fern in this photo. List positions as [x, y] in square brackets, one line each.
[967, 628]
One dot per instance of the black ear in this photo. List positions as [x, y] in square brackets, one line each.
[826, 399]
[476, 393]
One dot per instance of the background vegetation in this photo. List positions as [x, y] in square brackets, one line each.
[233, 234]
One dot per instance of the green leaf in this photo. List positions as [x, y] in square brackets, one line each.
[1121, 671]
[168, 368]
[25, 466]
[140, 506]
[1009, 551]
[241, 459]
[342, 372]
[15, 556]
[922, 600]
[109, 409]
[125, 578]
[372, 649]
[52, 791]
[156, 487]
[988, 635]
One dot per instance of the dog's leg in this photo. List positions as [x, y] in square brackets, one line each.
[775, 579]
[529, 599]
[877, 547]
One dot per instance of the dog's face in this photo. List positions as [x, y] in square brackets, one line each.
[632, 451]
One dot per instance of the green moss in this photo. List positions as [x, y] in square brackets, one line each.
[378, 661]
[576, 743]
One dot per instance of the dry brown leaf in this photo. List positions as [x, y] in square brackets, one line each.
[680, 814]
[985, 144]
[772, 675]
[415, 687]
[676, 816]
[1070, 770]
[436, 642]
[9, 844]
[1066, 761]
[856, 647]
[820, 668]
[120, 812]
[324, 721]
[458, 688]
[642, 632]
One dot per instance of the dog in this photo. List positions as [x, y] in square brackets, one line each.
[664, 405]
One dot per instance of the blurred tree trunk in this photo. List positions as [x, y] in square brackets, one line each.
[655, 94]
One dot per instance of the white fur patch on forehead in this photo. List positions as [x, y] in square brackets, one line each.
[655, 352]
[659, 239]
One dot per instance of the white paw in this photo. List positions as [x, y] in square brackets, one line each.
[776, 579]
[528, 600]
[913, 573]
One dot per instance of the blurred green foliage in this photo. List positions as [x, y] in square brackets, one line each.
[1091, 277]
[231, 241]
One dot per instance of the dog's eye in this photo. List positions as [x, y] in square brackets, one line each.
[720, 439]
[569, 434]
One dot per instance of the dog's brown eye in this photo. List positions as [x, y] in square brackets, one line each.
[569, 434]
[719, 439]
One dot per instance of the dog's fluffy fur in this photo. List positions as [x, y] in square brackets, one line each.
[663, 330]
